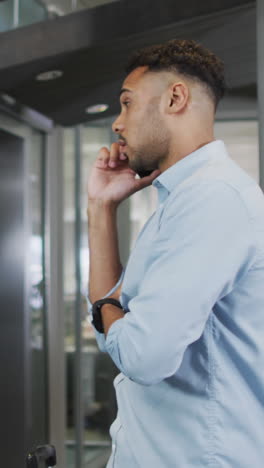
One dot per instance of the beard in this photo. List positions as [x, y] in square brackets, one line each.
[153, 144]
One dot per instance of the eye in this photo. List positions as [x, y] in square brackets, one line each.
[126, 103]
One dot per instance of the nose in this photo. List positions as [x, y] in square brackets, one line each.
[118, 126]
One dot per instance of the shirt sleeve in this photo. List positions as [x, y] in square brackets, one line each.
[203, 247]
[100, 337]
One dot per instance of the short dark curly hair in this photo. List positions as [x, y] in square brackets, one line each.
[187, 58]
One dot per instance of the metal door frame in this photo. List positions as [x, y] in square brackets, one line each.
[21, 124]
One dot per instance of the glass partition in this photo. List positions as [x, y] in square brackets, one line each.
[241, 139]
[6, 15]
[14, 13]
[17, 13]
[69, 292]
[98, 370]
[30, 11]
[97, 399]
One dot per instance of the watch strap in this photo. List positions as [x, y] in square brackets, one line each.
[97, 314]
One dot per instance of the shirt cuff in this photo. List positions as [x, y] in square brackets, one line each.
[100, 337]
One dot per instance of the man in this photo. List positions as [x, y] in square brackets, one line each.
[188, 337]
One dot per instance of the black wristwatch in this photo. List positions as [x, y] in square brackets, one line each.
[96, 310]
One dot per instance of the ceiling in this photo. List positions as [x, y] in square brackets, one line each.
[91, 48]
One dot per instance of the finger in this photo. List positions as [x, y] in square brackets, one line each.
[114, 155]
[123, 156]
[103, 157]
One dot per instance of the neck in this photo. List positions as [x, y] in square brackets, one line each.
[184, 146]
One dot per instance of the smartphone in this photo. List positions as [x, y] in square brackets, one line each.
[144, 173]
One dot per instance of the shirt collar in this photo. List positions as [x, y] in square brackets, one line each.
[184, 168]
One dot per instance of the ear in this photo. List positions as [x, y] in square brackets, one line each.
[177, 97]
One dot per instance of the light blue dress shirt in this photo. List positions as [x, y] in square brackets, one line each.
[191, 346]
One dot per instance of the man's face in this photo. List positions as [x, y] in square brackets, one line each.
[144, 137]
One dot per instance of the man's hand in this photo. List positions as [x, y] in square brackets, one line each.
[112, 180]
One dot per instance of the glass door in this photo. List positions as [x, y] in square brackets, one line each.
[28, 159]
[90, 397]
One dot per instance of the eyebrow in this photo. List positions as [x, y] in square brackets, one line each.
[124, 90]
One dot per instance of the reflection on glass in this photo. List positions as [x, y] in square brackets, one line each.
[37, 288]
[37, 291]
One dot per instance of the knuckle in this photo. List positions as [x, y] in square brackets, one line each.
[103, 152]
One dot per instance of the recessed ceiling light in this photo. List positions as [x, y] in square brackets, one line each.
[49, 75]
[97, 108]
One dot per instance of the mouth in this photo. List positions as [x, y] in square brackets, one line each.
[121, 142]
[123, 149]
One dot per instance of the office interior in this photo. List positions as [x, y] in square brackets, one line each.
[61, 68]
